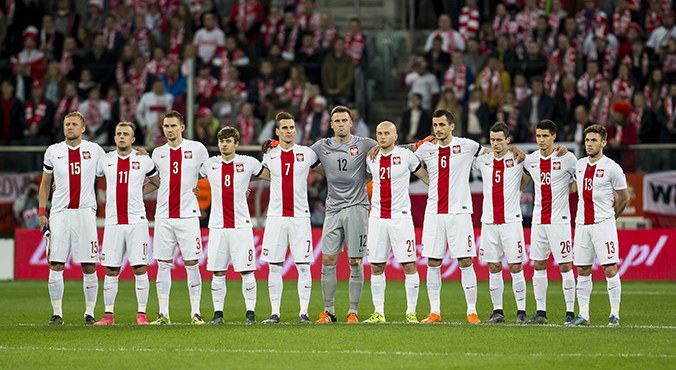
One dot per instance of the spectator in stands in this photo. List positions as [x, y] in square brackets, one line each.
[296, 87]
[158, 65]
[355, 44]
[468, 23]
[305, 107]
[207, 127]
[566, 103]
[310, 58]
[22, 82]
[668, 60]
[625, 84]
[338, 74]
[638, 61]
[190, 54]
[94, 20]
[70, 102]
[70, 61]
[288, 36]
[565, 56]
[26, 206]
[534, 64]
[235, 55]
[141, 38]
[280, 65]
[552, 79]
[86, 83]
[653, 17]
[174, 83]
[419, 79]
[632, 34]
[588, 84]
[208, 7]
[658, 37]
[475, 118]
[66, 21]
[487, 39]
[666, 117]
[521, 89]
[622, 132]
[262, 88]
[575, 36]
[124, 19]
[37, 117]
[84, 40]
[543, 35]
[178, 36]
[34, 59]
[238, 88]
[508, 111]
[100, 62]
[246, 18]
[308, 18]
[53, 82]
[589, 17]
[268, 31]
[621, 18]
[11, 129]
[506, 56]
[209, 40]
[643, 117]
[359, 127]
[656, 89]
[451, 38]
[474, 59]
[494, 81]
[601, 103]
[124, 108]
[248, 125]
[557, 14]
[318, 123]
[526, 20]
[437, 59]
[224, 109]
[415, 123]
[113, 39]
[325, 35]
[155, 22]
[207, 85]
[604, 55]
[533, 110]
[449, 102]
[459, 77]
[502, 21]
[26, 14]
[151, 109]
[97, 116]
[51, 42]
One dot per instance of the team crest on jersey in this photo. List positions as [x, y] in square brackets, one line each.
[599, 173]
[354, 151]
[187, 154]
[300, 157]
[396, 160]
[556, 166]
[509, 163]
[240, 167]
[456, 149]
[135, 166]
[86, 155]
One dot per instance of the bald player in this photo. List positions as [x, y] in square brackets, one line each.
[390, 223]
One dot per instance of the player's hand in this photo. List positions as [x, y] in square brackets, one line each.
[44, 221]
[373, 152]
[269, 143]
[196, 191]
[54, 186]
[141, 151]
[248, 192]
[423, 141]
[561, 150]
[518, 153]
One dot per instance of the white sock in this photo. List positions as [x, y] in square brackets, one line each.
[194, 288]
[378, 293]
[218, 290]
[249, 291]
[540, 289]
[275, 287]
[90, 285]
[412, 283]
[163, 283]
[434, 288]
[109, 292]
[55, 285]
[497, 286]
[614, 294]
[584, 289]
[142, 291]
[568, 280]
[469, 286]
[304, 286]
[519, 288]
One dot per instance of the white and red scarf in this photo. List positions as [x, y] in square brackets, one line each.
[554, 19]
[44, 40]
[288, 45]
[603, 120]
[669, 63]
[490, 83]
[246, 129]
[66, 105]
[457, 80]
[649, 95]
[581, 20]
[138, 80]
[567, 63]
[501, 26]
[196, 11]
[225, 66]
[128, 108]
[246, 15]
[269, 29]
[521, 94]
[328, 36]
[35, 118]
[238, 89]
[323, 127]
[295, 93]
[527, 20]
[266, 87]
[308, 22]
[468, 23]
[176, 40]
[207, 87]
[583, 85]
[621, 21]
[93, 116]
[141, 39]
[66, 65]
[10, 7]
[651, 22]
[124, 25]
[669, 107]
[513, 115]
[551, 83]
[354, 46]
[609, 59]
[635, 118]
[622, 88]
[643, 60]
[157, 68]
[110, 38]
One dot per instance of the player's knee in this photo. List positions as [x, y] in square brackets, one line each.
[540, 265]
[462, 262]
[139, 270]
[433, 262]
[113, 271]
[610, 270]
[409, 268]
[329, 260]
[565, 267]
[377, 268]
[583, 270]
[355, 261]
[88, 268]
[515, 268]
[191, 263]
[494, 268]
[57, 266]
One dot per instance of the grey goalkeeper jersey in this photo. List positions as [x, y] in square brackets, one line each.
[345, 168]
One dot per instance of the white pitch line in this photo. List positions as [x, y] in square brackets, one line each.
[322, 352]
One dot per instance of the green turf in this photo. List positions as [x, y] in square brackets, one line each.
[647, 337]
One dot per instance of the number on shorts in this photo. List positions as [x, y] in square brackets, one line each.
[565, 247]
[519, 247]
[145, 249]
[362, 241]
[411, 246]
[469, 241]
[95, 247]
[175, 167]
[250, 255]
[611, 247]
[309, 244]
[199, 243]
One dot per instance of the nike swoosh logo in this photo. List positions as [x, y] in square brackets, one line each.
[519, 291]
[307, 255]
[609, 257]
[567, 288]
[110, 164]
[565, 256]
[107, 289]
[248, 264]
[533, 166]
[60, 157]
[612, 288]
[308, 287]
[492, 290]
[192, 286]
[410, 255]
[471, 287]
[252, 288]
[271, 158]
[89, 287]
[214, 168]
[215, 290]
[141, 288]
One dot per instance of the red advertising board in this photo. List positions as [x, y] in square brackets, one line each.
[644, 255]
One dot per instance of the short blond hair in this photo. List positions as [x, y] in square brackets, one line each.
[131, 125]
[76, 114]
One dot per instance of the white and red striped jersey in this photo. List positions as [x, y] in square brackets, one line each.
[502, 187]
[468, 23]
[229, 182]
[391, 179]
[151, 107]
[596, 184]
[74, 171]
[125, 177]
[289, 169]
[179, 171]
[448, 168]
[209, 43]
[551, 177]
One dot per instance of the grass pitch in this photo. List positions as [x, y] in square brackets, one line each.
[647, 337]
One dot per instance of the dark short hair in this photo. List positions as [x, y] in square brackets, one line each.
[174, 114]
[341, 109]
[596, 129]
[537, 79]
[437, 38]
[417, 95]
[132, 125]
[227, 132]
[444, 113]
[547, 124]
[283, 115]
[500, 127]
